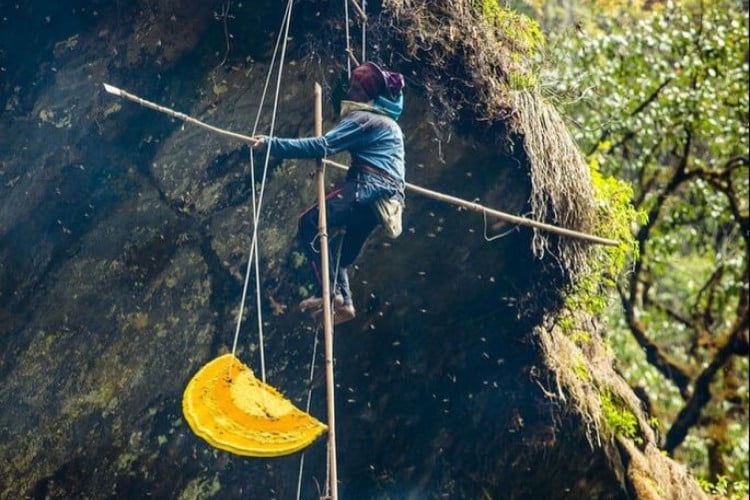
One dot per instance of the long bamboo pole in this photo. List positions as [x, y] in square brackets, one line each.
[182, 116]
[476, 207]
[325, 278]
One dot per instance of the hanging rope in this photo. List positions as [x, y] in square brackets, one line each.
[362, 12]
[349, 53]
[364, 30]
[496, 236]
[254, 246]
[253, 258]
[307, 410]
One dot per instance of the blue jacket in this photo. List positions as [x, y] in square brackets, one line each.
[370, 137]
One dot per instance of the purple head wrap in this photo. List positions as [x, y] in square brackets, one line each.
[369, 81]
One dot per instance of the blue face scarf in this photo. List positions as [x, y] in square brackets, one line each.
[390, 107]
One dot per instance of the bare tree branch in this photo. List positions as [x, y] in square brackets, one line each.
[672, 314]
[659, 359]
[704, 318]
[691, 412]
[670, 368]
[650, 99]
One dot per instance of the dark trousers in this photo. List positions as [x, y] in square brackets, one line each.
[349, 225]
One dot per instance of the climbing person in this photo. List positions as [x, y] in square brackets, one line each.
[372, 193]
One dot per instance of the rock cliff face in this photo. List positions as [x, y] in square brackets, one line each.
[124, 237]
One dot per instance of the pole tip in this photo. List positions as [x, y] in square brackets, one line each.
[111, 89]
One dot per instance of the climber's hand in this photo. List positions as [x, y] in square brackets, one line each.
[259, 143]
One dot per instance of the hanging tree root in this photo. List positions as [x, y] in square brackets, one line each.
[561, 187]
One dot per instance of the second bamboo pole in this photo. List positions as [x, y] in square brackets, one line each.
[327, 320]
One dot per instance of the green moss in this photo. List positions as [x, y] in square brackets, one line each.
[616, 215]
[618, 418]
[581, 369]
[580, 337]
[48, 340]
[518, 81]
[201, 487]
[306, 290]
[567, 324]
[519, 35]
[298, 259]
[606, 264]
[524, 33]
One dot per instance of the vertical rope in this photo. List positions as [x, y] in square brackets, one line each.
[348, 45]
[307, 410]
[253, 258]
[364, 31]
[262, 191]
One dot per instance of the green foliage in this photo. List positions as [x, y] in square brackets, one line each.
[663, 105]
[615, 217]
[521, 31]
[519, 35]
[590, 15]
[619, 420]
[737, 490]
